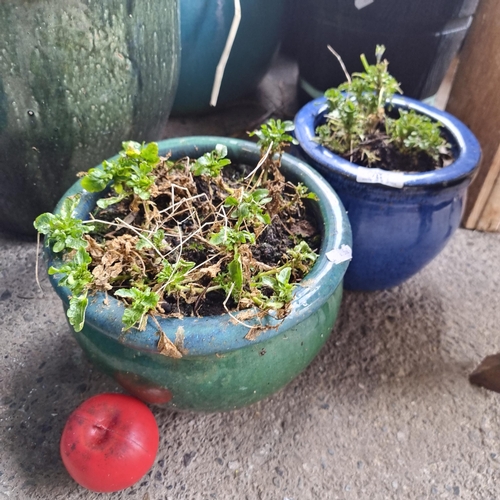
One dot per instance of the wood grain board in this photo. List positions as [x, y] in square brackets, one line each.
[475, 99]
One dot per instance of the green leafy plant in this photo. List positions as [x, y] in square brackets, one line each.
[302, 257]
[62, 231]
[155, 240]
[211, 163]
[185, 233]
[65, 233]
[231, 238]
[174, 276]
[128, 174]
[412, 133]
[77, 277]
[274, 135]
[141, 303]
[358, 127]
[249, 207]
[280, 285]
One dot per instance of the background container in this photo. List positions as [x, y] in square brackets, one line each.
[205, 26]
[421, 38]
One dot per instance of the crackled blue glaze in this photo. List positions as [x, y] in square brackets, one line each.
[396, 231]
[220, 369]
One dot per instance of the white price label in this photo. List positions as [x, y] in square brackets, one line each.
[340, 254]
[379, 176]
[360, 4]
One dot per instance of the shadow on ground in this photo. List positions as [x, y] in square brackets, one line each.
[52, 380]
[382, 336]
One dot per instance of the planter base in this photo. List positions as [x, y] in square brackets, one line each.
[217, 382]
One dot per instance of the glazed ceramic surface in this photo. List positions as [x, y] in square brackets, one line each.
[76, 78]
[396, 231]
[205, 26]
[421, 39]
[220, 369]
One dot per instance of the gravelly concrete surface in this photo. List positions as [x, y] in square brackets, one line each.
[384, 412]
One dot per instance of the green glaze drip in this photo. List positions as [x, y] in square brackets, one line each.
[76, 79]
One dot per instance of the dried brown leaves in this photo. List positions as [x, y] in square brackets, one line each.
[169, 237]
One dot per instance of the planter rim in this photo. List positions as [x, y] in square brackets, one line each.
[469, 151]
[218, 334]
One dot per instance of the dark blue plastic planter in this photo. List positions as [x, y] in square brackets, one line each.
[396, 231]
[422, 37]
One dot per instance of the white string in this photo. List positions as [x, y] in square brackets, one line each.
[219, 72]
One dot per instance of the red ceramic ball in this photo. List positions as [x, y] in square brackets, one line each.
[109, 442]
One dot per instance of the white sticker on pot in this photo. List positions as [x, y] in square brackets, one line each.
[379, 176]
[340, 254]
[360, 4]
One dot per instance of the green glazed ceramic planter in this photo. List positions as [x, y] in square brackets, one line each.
[75, 79]
[220, 369]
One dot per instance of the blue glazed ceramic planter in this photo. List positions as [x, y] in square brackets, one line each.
[220, 369]
[396, 231]
[205, 26]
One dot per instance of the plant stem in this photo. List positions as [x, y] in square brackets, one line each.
[261, 161]
[344, 69]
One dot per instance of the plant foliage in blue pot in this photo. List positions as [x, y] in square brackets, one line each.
[400, 219]
[215, 365]
[205, 26]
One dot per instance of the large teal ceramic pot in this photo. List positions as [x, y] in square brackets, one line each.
[76, 78]
[205, 26]
[220, 369]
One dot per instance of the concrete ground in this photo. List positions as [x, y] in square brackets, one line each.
[385, 411]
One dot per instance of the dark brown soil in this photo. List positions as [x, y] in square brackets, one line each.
[391, 159]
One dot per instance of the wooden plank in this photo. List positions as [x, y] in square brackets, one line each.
[473, 219]
[475, 100]
[490, 217]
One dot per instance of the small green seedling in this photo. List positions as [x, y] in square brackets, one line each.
[156, 240]
[77, 277]
[62, 231]
[141, 303]
[65, 233]
[212, 163]
[129, 174]
[249, 206]
[174, 276]
[301, 256]
[274, 135]
[278, 281]
[412, 133]
[231, 238]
